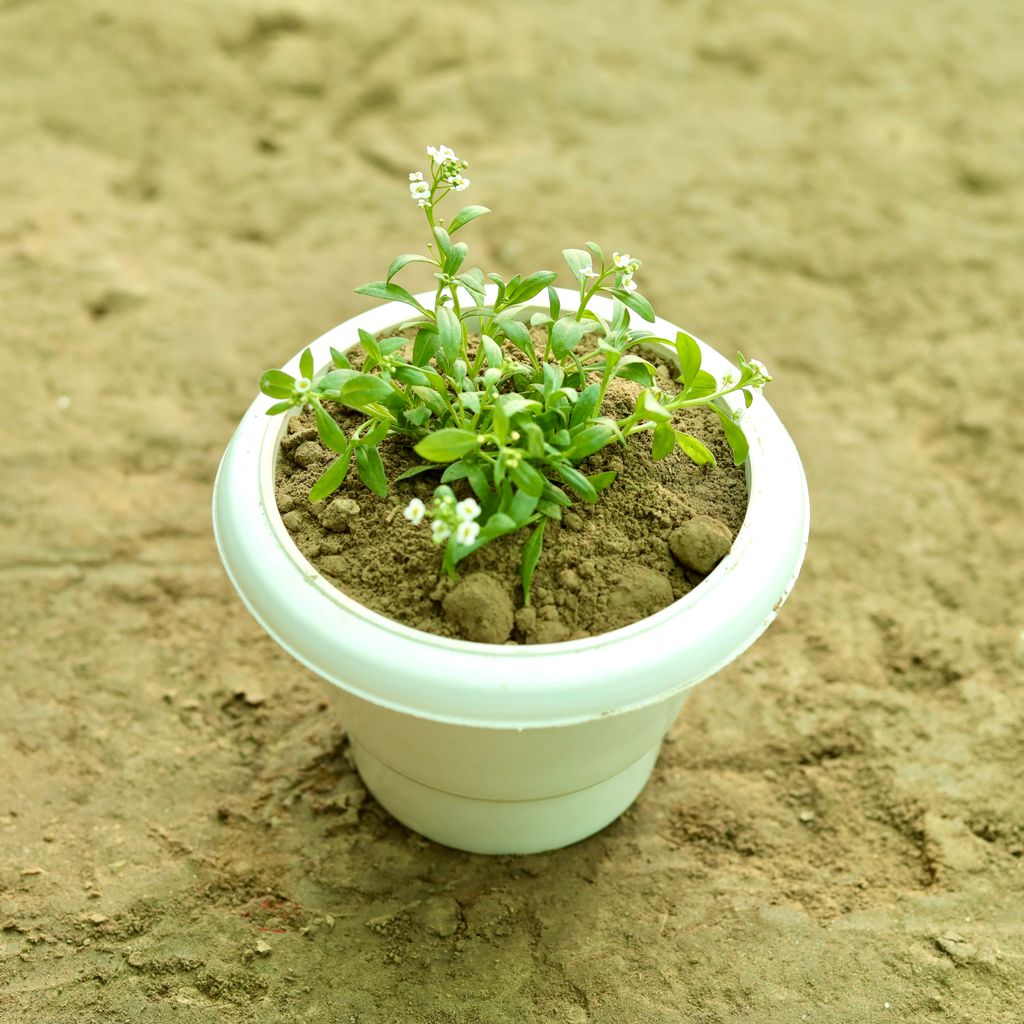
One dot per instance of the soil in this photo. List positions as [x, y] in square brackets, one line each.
[603, 566]
[834, 832]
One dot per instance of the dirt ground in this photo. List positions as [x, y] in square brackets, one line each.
[188, 193]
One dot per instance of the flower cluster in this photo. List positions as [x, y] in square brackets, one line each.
[419, 189]
[446, 175]
[449, 518]
[627, 267]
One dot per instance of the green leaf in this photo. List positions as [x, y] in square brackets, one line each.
[333, 382]
[444, 242]
[492, 351]
[566, 334]
[332, 477]
[689, 357]
[635, 301]
[735, 436]
[578, 260]
[459, 253]
[473, 282]
[409, 375]
[527, 479]
[554, 303]
[529, 286]
[279, 407]
[576, 480]
[418, 415]
[449, 329]
[531, 556]
[447, 445]
[633, 368]
[478, 481]
[364, 390]
[277, 384]
[388, 346]
[518, 334]
[513, 403]
[415, 471]
[602, 481]
[522, 506]
[586, 405]
[553, 377]
[431, 399]
[306, 364]
[649, 406]
[371, 470]
[425, 346]
[597, 251]
[390, 291]
[399, 262]
[340, 360]
[555, 494]
[664, 441]
[380, 430]
[330, 433]
[591, 440]
[703, 384]
[370, 346]
[465, 215]
[694, 449]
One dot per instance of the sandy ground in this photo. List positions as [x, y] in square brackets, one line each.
[188, 192]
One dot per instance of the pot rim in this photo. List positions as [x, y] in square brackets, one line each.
[467, 682]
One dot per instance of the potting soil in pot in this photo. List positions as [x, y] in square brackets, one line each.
[650, 538]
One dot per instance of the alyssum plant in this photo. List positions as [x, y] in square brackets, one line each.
[513, 422]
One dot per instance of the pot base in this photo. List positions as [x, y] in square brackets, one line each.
[502, 826]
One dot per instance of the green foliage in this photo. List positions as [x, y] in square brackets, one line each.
[513, 424]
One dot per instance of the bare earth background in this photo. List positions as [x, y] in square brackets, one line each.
[188, 193]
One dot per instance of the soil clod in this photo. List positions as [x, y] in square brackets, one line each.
[701, 543]
[339, 514]
[480, 609]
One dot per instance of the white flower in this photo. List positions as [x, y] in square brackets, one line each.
[457, 182]
[628, 284]
[466, 510]
[440, 531]
[302, 385]
[441, 154]
[423, 202]
[761, 369]
[416, 176]
[467, 531]
[415, 511]
[419, 189]
[587, 272]
[622, 259]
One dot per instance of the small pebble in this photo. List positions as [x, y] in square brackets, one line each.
[806, 816]
[701, 543]
[571, 521]
[293, 520]
[136, 959]
[263, 947]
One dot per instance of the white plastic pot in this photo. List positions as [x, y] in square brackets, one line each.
[501, 748]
